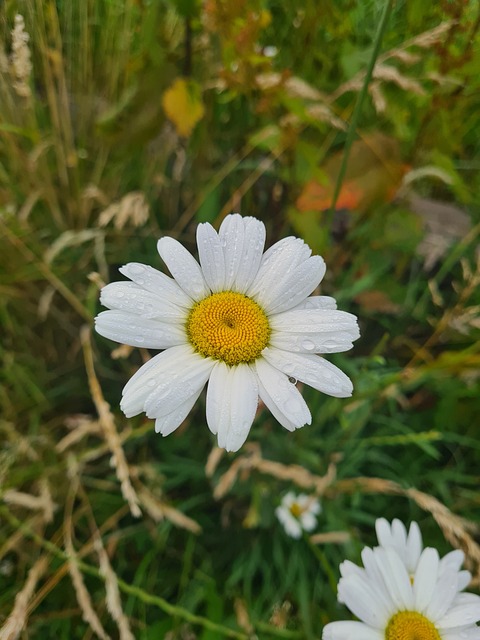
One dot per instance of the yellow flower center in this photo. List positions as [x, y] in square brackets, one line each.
[410, 625]
[296, 510]
[228, 326]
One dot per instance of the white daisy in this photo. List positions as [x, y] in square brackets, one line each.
[406, 593]
[409, 547]
[241, 320]
[298, 513]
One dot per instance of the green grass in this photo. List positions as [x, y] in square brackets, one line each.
[85, 130]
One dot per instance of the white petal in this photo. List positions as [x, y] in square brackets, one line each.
[289, 251]
[185, 378]
[282, 289]
[361, 597]
[463, 579]
[127, 328]
[290, 524]
[128, 296]
[348, 568]
[232, 399]
[281, 258]
[282, 397]
[452, 560]
[395, 577]
[446, 589]
[317, 302]
[375, 576]
[270, 404]
[414, 546]
[217, 396]
[346, 630]
[313, 370]
[243, 240]
[399, 534]
[156, 282]
[152, 373]
[461, 614]
[167, 424]
[463, 633]
[212, 258]
[425, 579]
[314, 331]
[383, 531]
[243, 406]
[308, 520]
[183, 267]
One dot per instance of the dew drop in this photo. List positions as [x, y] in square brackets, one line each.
[136, 269]
[197, 289]
[139, 339]
[120, 294]
[309, 345]
[288, 368]
[292, 380]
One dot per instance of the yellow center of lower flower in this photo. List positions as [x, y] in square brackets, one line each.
[296, 510]
[228, 326]
[410, 625]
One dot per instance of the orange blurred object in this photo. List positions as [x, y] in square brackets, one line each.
[374, 174]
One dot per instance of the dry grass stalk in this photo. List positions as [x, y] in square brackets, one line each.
[17, 619]
[16, 538]
[213, 460]
[22, 444]
[43, 502]
[83, 597]
[387, 73]
[456, 530]
[133, 208]
[81, 426]
[331, 537]
[158, 511]
[114, 604]
[107, 423]
[293, 473]
[242, 617]
[20, 59]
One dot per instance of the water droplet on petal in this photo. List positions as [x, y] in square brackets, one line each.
[136, 268]
[288, 367]
[139, 339]
[120, 294]
[151, 382]
[309, 345]
[292, 380]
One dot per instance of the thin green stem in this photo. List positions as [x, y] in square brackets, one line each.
[361, 97]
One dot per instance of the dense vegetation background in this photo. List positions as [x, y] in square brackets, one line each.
[351, 124]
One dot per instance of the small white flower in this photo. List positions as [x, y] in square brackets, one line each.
[298, 513]
[406, 593]
[241, 320]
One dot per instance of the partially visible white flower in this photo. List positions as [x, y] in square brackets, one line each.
[298, 513]
[406, 593]
[408, 545]
[242, 320]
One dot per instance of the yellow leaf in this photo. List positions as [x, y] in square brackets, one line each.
[182, 103]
